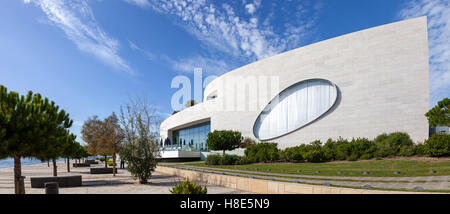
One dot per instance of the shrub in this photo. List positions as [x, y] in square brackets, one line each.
[438, 145]
[229, 159]
[419, 149]
[262, 152]
[352, 157]
[392, 144]
[407, 151]
[110, 162]
[340, 149]
[292, 154]
[314, 156]
[366, 157]
[242, 161]
[246, 142]
[224, 140]
[188, 187]
[361, 147]
[214, 159]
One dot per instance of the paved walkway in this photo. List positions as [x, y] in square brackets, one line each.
[100, 183]
[426, 182]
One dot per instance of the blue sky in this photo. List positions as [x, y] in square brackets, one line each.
[89, 56]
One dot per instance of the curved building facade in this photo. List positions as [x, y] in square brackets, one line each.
[357, 85]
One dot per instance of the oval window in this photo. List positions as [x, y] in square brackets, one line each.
[295, 107]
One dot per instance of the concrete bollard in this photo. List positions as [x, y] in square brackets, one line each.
[51, 188]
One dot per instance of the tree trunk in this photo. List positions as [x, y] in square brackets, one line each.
[68, 165]
[55, 171]
[223, 152]
[18, 179]
[106, 162]
[114, 164]
[48, 163]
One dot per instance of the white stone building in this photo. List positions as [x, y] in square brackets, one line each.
[357, 85]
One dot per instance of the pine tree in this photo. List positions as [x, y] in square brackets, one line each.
[28, 124]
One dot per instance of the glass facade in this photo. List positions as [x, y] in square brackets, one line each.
[192, 138]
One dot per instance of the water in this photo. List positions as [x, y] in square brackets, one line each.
[9, 162]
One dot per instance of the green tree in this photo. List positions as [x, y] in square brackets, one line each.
[103, 137]
[27, 123]
[55, 146]
[112, 137]
[80, 152]
[140, 147]
[224, 140]
[93, 134]
[70, 149]
[440, 114]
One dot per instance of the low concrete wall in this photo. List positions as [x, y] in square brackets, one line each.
[91, 161]
[63, 181]
[103, 170]
[81, 165]
[265, 186]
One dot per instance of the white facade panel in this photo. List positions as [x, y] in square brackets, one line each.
[381, 75]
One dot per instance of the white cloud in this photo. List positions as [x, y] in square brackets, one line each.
[186, 65]
[77, 21]
[248, 38]
[250, 8]
[149, 55]
[438, 13]
[208, 65]
[140, 3]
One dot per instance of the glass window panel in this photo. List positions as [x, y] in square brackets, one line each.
[296, 107]
[192, 137]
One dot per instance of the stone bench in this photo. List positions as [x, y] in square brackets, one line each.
[91, 162]
[102, 170]
[81, 165]
[63, 181]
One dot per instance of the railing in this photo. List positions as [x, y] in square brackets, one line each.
[177, 148]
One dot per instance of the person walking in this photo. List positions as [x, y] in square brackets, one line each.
[122, 163]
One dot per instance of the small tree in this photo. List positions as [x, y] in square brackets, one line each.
[70, 149]
[90, 134]
[112, 137]
[224, 140]
[140, 147]
[80, 152]
[55, 147]
[440, 114]
[27, 123]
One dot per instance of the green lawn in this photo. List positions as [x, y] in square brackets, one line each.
[376, 168]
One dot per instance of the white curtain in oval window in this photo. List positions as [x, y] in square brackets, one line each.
[295, 107]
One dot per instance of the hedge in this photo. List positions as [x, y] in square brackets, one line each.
[384, 145]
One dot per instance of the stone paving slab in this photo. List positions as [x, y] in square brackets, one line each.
[123, 183]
